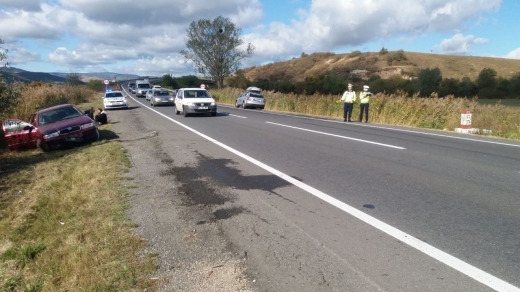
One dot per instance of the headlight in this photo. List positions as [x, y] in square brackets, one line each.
[51, 135]
[86, 126]
[212, 103]
[157, 99]
[171, 98]
[189, 103]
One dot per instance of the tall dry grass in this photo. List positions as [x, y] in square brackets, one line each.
[397, 109]
[44, 95]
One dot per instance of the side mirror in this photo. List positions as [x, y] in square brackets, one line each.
[28, 128]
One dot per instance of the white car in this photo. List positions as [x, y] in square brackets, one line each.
[157, 87]
[194, 101]
[114, 99]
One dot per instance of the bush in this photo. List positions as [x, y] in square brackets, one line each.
[396, 58]
[354, 54]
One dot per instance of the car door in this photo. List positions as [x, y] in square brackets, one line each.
[18, 134]
[178, 100]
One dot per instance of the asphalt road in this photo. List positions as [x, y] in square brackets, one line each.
[404, 209]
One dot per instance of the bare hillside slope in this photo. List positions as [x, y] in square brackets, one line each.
[366, 64]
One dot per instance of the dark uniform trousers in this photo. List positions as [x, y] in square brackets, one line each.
[363, 107]
[347, 110]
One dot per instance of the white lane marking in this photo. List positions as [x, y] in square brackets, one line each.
[392, 129]
[238, 116]
[449, 260]
[338, 136]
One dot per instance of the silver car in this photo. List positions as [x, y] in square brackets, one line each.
[251, 98]
[161, 97]
[149, 94]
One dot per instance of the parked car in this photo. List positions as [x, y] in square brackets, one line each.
[194, 101]
[156, 87]
[114, 99]
[148, 95]
[251, 98]
[161, 97]
[50, 128]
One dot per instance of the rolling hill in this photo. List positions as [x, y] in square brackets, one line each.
[19, 75]
[369, 63]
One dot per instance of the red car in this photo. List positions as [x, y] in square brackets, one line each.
[50, 128]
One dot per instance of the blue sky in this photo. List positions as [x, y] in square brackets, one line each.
[145, 37]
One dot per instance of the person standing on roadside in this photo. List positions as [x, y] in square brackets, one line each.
[348, 99]
[364, 102]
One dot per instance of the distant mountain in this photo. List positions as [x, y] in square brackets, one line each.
[12, 74]
[20, 75]
[99, 75]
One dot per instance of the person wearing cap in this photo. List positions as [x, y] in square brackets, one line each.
[364, 102]
[348, 99]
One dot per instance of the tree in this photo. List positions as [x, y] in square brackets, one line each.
[169, 81]
[73, 79]
[487, 83]
[214, 48]
[448, 86]
[188, 81]
[429, 81]
[467, 88]
[9, 94]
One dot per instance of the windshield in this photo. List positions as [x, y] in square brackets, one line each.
[144, 85]
[58, 114]
[162, 93]
[256, 95]
[114, 94]
[195, 93]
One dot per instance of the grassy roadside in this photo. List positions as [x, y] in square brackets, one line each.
[430, 113]
[62, 220]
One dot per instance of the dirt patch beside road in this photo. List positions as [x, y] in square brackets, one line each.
[177, 219]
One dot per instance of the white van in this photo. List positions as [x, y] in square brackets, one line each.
[141, 87]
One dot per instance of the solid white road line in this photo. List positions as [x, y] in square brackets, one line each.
[238, 116]
[391, 129]
[457, 264]
[339, 136]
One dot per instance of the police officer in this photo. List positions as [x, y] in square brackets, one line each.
[364, 102]
[348, 99]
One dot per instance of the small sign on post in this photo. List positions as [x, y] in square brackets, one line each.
[465, 119]
[106, 82]
[203, 86]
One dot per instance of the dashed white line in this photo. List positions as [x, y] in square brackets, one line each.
[457, 264]
[338, 136]
[394, 129]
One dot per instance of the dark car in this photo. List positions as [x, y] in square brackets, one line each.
[50, 128]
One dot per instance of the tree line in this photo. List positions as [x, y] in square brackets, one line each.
[427, 83]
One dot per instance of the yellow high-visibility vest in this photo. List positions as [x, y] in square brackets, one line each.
[365, 97]
[349, 96]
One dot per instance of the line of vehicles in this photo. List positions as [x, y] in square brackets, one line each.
[65, 124]
[187, 101]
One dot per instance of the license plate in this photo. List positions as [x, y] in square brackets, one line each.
[203, 107]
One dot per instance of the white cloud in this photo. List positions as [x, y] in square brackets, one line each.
[105, 32]
[49, 23]
[332, 24]
[21, 55]
[27, 5]
[515, 54]
[458, 44]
